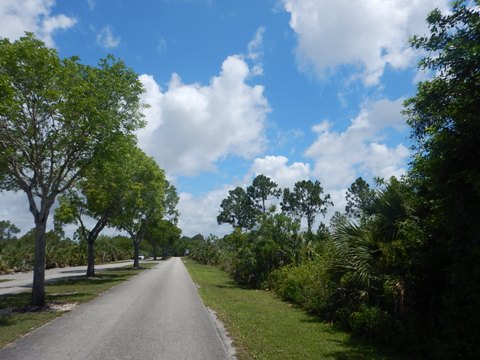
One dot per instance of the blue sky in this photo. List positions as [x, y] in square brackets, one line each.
[292, 89]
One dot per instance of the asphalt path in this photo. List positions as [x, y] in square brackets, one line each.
[157, 314]
[21, 282]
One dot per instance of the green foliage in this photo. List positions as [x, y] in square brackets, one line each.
[445, 121]
[309, 285]
[141, 198]
[264, 327]
[237, 210]
[7, 230]
[56, 117]
[305, 201]
[262, 190]
[371, 322]
[162, 235]
[17, 254]
[115, 248]
[359, 197]
[206, 251]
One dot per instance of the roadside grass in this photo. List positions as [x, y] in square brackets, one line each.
[264, 327]
[18, 319]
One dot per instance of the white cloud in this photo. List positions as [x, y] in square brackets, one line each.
[106, 39]
[14, 207]
[368, 35]
[255, 51]
[340, 157]
[277, 169]
[192, 126]
[19, 16]
[198, 214]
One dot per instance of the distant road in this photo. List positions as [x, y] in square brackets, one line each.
[156, 315]
[21, 282]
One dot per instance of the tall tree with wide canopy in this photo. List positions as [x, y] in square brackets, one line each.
[306, 201]
[262, 190]
[142, 200]
[56, 116]
[445, 120]
[163, 230]
[96, 195]
[237, 210]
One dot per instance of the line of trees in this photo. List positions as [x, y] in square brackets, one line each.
[67, 134]
[401, 264]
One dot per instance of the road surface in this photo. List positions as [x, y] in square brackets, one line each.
[21, 282]
[155, 315]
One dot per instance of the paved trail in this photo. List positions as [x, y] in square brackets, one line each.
[21, 282]
[155, 315]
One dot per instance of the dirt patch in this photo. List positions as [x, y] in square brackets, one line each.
[51, 307]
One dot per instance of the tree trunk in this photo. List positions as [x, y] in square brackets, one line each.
[136, 249]
[38, 288]
[90, 258]
[91, 237]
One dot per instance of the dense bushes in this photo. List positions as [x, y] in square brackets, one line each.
[361, 273]
[307, 285]
[17, 254]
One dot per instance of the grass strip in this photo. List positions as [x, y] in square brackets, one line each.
[18, 319]
[264, 327]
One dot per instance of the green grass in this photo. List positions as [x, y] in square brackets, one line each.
[5, 280]
[14, 324]
[264, 327]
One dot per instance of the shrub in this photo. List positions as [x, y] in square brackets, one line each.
[372, 323]
[307, 285]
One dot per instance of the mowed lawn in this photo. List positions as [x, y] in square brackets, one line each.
[264, 327]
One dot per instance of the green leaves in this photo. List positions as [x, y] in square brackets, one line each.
[58, 116]
[237, 210]
[306, 201]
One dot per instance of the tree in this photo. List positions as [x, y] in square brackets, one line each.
[359, 197]
[237, 210]
[261, 190]
[445, 120]
[305, 201]
[170, 202]
[8, 230]
[56, 116]
[163, 234]
[96, 195]
[142, 199]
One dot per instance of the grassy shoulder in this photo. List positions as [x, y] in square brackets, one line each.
[264, 327]
[18, 319]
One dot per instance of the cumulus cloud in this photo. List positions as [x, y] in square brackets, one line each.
[199, 213]
[19, 16]
[192, 126]
[106, 39]
[277, 169]
[368, 35]
[340, 157]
